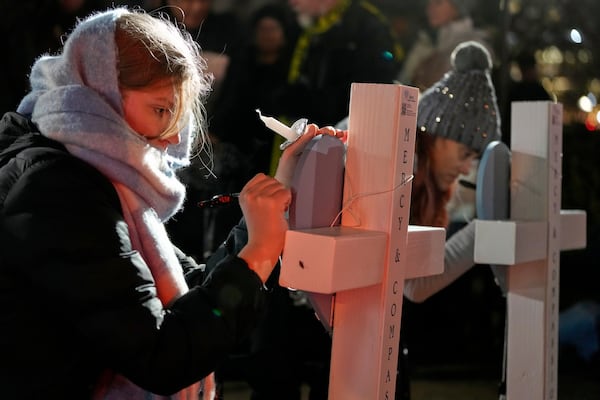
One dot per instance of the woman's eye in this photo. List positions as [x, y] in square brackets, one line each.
[162, 111]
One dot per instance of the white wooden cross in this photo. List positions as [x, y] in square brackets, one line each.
[363, 263]
[530, 243]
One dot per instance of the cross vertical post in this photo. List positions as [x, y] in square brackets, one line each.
[530, 243]
[364, 261]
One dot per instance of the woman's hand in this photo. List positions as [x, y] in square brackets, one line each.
[264, 202]
[291, 155]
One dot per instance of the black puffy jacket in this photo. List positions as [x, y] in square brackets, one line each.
[354, 45]
[78, 300]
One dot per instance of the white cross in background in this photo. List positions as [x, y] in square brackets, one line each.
[530, 244]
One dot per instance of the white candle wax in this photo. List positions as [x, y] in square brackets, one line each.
[278, 127]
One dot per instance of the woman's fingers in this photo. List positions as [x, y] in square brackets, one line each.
[262, 190]
[331, 131]
[311, 131]
[264, 201]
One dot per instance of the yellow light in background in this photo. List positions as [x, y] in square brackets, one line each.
[552, 55]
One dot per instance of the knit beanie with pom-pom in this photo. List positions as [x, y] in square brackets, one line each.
[462, 106]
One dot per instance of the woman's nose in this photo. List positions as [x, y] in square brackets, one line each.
[174, 139]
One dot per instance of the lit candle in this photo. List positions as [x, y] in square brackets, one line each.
[278, 127]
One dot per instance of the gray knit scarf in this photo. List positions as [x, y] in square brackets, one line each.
[75, 100]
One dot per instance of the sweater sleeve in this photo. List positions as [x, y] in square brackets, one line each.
[458, 259]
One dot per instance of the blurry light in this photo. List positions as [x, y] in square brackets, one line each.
[585, 104]
[598, 117]
[387, 55]
[561, 84]
[515, 72]
[575, 36]
[552, 55]
[549, 85]
[514, 7]
[589, 124]
[593, 99]
[584, 56]
[594, 85]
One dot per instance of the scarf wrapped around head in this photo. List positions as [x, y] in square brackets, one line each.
[75, 100]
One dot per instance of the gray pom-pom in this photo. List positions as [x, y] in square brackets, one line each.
[469, 56]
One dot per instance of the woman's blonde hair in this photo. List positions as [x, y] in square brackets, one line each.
[151, 49]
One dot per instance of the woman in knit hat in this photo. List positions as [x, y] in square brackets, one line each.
[100, 304]
[457, 118]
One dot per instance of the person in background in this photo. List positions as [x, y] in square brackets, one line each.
[449, 23]
[343, 41]
[103, 305]
[245, 9]
[406, 19]
[256, 80]
[220, 35]
[457, 118]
